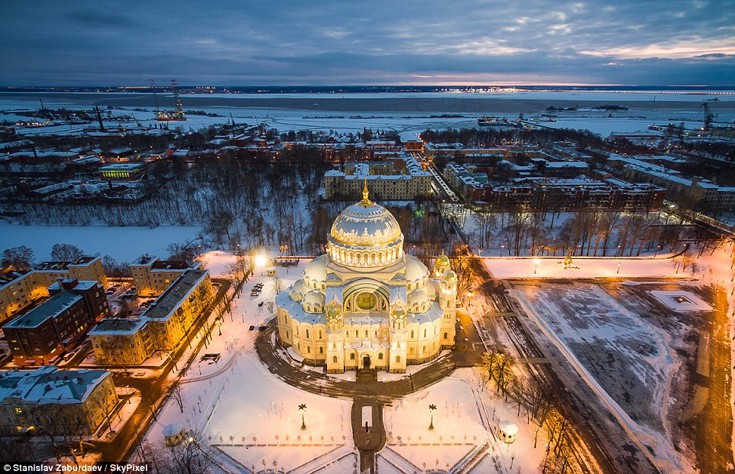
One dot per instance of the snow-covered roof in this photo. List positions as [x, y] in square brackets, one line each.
[49, 385]
[49, 309]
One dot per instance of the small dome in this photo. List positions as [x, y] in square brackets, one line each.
[333, 313]
[315, 273]
[442, 260]
[418, 298]
[399, 312]
[449, 275]
[415, 270]
[297, 290]
[313, 302]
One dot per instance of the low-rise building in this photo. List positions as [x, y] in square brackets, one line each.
[708, 195]
[124, 171]
[400, 178]
[121, 342]
[162, 327]
[151, 276]
[171, 316]
[18, 290]
[56, 402]
[45, 332]
[553, 193]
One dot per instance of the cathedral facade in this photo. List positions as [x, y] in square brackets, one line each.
[366, 303]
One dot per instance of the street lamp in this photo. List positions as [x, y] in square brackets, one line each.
[302, 409]
[536, 261]
[432, 409]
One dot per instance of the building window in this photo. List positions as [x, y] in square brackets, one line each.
[334, 359]
[307, 334]
[380, 356]
[446, 335]
[320, 334]
[352, 356]
[411, 333]
[321, 350]
[398, 358]
[424, 332]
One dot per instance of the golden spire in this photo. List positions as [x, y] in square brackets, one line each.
[365, 201]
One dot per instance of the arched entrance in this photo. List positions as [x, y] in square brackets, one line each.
[366, 361]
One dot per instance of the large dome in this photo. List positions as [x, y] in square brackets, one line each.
[365, 224]
[365, 227]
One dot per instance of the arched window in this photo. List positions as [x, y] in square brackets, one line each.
[321, 350]
[334, 359]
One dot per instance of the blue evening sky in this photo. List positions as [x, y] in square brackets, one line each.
[253, 42]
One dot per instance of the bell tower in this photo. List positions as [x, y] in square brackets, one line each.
[448, 304]
[335, 339]
[398, 339]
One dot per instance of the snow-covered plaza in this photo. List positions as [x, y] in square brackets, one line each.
[252, 417]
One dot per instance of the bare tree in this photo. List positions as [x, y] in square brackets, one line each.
[178, 396]
[20, 258]
[66, 252]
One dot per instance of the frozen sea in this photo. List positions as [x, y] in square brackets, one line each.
[406, 113]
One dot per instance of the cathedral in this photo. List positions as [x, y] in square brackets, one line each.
[366, 303]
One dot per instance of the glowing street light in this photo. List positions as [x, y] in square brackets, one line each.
[261, 260]
[536, 261]
[432, 409]
[302, 409]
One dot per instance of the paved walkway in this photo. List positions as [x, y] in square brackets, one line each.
[279, 363]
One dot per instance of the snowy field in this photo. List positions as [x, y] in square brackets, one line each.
[124, 244]
[628, 348]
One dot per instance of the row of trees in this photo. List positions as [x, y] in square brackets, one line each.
[582, 233]
[537, 399]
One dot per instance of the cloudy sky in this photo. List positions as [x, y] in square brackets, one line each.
[343, 42]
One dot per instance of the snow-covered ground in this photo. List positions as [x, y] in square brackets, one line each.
[124, 244]
[625, 357]
[583, 267]
[466, 417]
[248, 413]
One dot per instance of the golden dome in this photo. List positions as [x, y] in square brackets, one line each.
[365, 224]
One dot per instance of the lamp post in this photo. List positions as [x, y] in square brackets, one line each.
[302, 409]
[536, 261]
[432, 409]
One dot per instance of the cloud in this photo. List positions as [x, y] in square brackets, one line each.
[233, 42]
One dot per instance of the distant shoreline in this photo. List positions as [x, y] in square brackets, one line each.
[443, 103]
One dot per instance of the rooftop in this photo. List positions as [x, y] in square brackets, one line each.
[49, 385]
[50, 308]
[51, 266]
[118, 326]
[173, 296]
